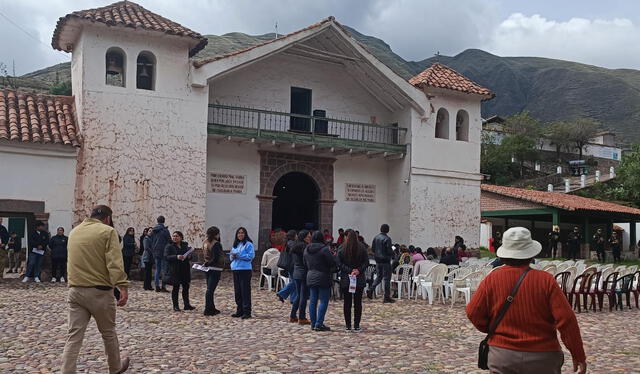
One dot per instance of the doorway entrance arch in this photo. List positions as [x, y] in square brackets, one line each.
[295, 206]
[275, 166]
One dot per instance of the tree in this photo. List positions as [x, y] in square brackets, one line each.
[581, 131]
[558, 133]
[628, 173]
[522, 147]
[60, 88]
[524, 124]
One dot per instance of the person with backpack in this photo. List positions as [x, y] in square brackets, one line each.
[352, 263]
[523, 337]
[160, 237]
[299, 277]
[383, 254]
[286, 264]
[320, 266]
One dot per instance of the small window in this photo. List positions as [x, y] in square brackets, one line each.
[462, 125]
[442, 124]
[146, 70]
[115, 67]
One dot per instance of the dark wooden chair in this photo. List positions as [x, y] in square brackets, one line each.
[623, 287]
[581, 286]
[563, 281]
[594, 289]
[634, 287]
[608, 288]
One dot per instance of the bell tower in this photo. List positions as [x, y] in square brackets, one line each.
[142, 124]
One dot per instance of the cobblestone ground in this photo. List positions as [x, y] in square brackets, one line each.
[406, 337]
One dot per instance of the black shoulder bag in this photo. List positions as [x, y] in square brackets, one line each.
[483, 350]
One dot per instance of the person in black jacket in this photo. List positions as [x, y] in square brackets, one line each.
[383, 254]
[147, 260]
[128, 249]
[289, 290]
[14, 247]
[214, 259]
[352, 262]
[449, 257]
[299, 277]
[145, 231]
[38, 241]
[58, 245]
[179, 268]
[160, 237]
[320, 266]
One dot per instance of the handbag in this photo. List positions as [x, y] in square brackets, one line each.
[483, 350]
[284, 261]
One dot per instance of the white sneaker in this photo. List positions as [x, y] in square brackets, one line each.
[53, 280]
[37, 280]
[62, 280]
[25, 280]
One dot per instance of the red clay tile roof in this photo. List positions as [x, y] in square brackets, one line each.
[440, 76]
[202, 62]
[128, 14]
[34, 118]
[560, 200]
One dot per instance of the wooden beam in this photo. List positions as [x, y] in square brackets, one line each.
[312, 56]
[326, 53]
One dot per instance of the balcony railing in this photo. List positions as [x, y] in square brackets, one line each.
[303, 129]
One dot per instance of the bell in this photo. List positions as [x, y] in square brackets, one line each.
[143, 71]
[112, 66]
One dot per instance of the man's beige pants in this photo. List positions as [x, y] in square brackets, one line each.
[507, 361]
[84, 303]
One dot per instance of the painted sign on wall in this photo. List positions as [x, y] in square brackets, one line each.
[360, 192]
[226, 183]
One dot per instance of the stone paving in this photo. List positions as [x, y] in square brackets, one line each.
[406, 337]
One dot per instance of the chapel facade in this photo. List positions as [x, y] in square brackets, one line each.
[306, 130]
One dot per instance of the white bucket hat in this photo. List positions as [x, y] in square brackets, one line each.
[517, 244]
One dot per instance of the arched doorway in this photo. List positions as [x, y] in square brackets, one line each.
[295, 204]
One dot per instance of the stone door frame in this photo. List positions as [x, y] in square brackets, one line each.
[273, 166]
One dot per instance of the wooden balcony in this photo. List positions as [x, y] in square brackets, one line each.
[316, 133]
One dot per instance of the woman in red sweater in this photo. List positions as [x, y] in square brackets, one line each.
[525, 341]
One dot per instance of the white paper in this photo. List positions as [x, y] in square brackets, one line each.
[38, 251]
[187, 253]
[203, 268]
[353, 282]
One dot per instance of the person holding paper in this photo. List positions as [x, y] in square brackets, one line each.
[241, 256]
[177, 254]
[353, 260]
[38, 242]
[214, 259]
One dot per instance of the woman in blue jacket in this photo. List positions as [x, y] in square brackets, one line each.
[241, 256]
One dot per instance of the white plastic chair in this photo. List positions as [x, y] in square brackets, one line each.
[270, 279]
[402, 278]
[466, 286]
[562, 267]
[452, 275]
[282, 280]
[432, 283]
[551, 269]
[419, 268]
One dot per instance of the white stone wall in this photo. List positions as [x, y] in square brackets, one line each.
[365, 217]
[230, 211]
[266, 84]
[144, 152]
[38, 173]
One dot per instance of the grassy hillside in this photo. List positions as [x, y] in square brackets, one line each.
[550, 89]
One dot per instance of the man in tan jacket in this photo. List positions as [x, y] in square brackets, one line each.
[94, 268]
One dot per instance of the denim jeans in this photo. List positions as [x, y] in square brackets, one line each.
[158, 276]
[34, 265]
[316, 311]
[384, 273]
[299, 301]
[288, 291]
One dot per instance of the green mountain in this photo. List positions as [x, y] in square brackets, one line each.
[550, 89]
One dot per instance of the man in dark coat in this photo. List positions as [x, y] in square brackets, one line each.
[58, 245]
[383, 254]
[160, 237]
[616, 246]
[598, 245]
[38, 242]
[573, 243]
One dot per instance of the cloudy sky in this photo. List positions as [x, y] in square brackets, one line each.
[597, 32]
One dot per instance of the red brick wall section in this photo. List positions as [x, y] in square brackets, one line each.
[492, 201]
